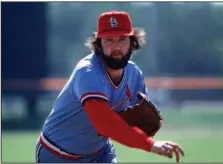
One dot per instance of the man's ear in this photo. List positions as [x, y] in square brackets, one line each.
[134, 43]
[98, 45]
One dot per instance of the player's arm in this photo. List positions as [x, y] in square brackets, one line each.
[109, 124]
[91, 89]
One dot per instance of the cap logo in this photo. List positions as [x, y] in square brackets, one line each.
[113, 22]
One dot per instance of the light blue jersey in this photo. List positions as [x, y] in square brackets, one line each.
[68, 125]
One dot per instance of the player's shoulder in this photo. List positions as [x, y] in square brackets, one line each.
[134, 68]
[87, 61]
[88, 66]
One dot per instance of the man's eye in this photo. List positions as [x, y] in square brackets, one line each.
[123, 40]
[109, 41]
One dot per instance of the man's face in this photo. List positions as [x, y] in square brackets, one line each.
[116, 51]
[115, 47]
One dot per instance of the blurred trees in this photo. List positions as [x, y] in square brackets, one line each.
[183, 39]
[191, 37]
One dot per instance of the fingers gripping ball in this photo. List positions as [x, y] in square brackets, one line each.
[144, 115]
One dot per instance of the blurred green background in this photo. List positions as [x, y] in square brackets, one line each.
[42, 42]
[200, 134]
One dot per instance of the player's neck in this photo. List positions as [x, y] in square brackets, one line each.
[115, 75]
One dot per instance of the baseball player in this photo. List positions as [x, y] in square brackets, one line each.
[90, 110]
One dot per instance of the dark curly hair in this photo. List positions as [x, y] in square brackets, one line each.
[137, 40]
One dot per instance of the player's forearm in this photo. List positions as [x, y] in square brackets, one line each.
[109, 124]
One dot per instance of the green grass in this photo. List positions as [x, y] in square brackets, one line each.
[198, 147]
[201, 138]
[20, 147]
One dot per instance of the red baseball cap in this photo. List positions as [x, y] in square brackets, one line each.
[114, 23]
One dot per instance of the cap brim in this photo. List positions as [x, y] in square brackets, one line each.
[114, 33]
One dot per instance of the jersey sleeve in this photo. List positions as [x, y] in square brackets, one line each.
[143, 87]
[90, 84]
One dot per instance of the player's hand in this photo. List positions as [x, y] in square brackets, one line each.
[167, 148]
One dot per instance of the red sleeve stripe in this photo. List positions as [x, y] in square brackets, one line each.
[93, 94]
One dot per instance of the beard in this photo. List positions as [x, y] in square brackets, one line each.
[114, 63]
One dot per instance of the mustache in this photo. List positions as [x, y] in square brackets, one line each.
[116, 53]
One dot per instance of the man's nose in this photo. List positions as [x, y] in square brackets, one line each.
[117, 45]
[117, 48]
